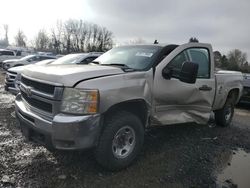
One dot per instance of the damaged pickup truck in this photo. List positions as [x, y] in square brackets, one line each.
[108, 104]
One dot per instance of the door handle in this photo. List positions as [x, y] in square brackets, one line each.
[205, 88]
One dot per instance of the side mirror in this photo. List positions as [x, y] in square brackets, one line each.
[167, 73]
[189, 72]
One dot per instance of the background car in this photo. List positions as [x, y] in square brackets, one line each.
[13, 76]
[30, 59]
[8, 54]
[79, 58]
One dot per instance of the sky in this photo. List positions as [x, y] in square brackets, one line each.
[223, 23]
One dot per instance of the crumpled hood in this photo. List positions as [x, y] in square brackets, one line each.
[69, 75]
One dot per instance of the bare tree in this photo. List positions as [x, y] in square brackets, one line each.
[236, 59]
[75, 36]
[5, 41]
[20, 39]
[56, 37]
[6, 30]
[42, 40]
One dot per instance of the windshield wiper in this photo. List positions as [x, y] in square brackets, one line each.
[124, 67]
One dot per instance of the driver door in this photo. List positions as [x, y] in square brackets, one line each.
[179, 102]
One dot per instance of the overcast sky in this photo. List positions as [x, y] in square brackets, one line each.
[223, 23]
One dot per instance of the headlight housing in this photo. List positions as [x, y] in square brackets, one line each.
[80, 101]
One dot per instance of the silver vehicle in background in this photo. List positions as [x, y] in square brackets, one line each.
[27, 60]
[13, 75]
[78, 58]
[8, 54]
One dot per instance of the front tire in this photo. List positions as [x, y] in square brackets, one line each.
[120, 141]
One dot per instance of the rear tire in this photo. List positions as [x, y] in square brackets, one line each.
[120, 141]
[224, 116]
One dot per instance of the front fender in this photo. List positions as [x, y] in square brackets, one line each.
[119, 88]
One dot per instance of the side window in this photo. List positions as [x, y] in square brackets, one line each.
[9, 53]
[176, 63]
[34, 58]
[19, 53]
[42, 58]
[201, 57]
[87, 60]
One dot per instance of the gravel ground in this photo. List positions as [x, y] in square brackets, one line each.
[174, 156]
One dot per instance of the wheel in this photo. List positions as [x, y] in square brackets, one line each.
[224, 116]
[120, 141]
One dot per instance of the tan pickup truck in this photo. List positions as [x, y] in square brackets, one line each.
[108, 104]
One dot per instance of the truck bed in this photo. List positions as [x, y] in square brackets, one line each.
[225, 82]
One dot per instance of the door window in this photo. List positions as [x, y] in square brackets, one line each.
[196, 55]
[201, 57]
[176, 63]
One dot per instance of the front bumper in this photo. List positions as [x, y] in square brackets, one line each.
[65, 132]
[10, 87]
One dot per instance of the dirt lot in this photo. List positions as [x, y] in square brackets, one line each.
[176, 156]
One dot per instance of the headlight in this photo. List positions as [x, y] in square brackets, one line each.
[78, 101]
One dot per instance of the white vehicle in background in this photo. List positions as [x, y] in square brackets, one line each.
[30, 59]
[8, 54]
[13, 75]
[79, 58]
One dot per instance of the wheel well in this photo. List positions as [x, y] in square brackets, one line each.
[234, 95]
[137, 107]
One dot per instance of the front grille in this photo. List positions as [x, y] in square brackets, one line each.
[42, 87]
[47, 107]
[10, 85]
[10, 76]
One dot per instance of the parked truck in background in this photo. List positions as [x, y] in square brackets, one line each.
[108, 104]
[13, 76]
[8, 54]
[246, 88]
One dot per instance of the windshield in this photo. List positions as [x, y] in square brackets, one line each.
[135, 57]
[69, 59]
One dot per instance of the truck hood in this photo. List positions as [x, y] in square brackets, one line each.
[11, 60]
[17, 69]
[69, 75]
